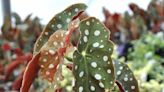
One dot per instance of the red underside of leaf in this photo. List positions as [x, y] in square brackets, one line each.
[67, 38]
[76, 16]
[30, 73]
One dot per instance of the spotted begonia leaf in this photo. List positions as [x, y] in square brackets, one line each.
[125, 78]
[59, 21]
[93, 67]
[51, 58]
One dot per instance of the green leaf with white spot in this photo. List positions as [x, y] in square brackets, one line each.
[59, 21]
[93, 68]
[125, 78]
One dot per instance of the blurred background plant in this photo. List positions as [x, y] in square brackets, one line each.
[16, 42]
[138, 37]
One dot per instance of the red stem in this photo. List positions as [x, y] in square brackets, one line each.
[119, 86]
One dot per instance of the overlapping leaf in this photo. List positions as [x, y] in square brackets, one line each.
[93, 68]
[48, 47]
[125, 78]
[60, 21]
[50, 58]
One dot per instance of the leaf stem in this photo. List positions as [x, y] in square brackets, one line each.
[119, 86]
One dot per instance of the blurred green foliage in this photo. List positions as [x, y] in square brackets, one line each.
[147, 61]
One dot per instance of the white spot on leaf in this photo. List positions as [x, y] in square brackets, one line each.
[131, 79]
[56, 58]
[42, 66]
[62, 44]
[86, 32]
[69, 13]
[59, 26]
[105, 58]
[81, 74]
[102, 46]
[46, 33]
[111, 82]
[76, 67]
[98, 76]
[62, 35]
[94, 64]
[101, 85]
[47, 73]
[92, 88]
[108, 71]
[85, 39]
[52, 52]
[97, 33]
[88, 23]
[96, 44]
[132, 87]
[76, 9]
[68, 20]
[80, 89]
[44, 60]
[118, 72]
[52, 26]
[55, 43]
[51, 66]
[125, 79]
[121, 67]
